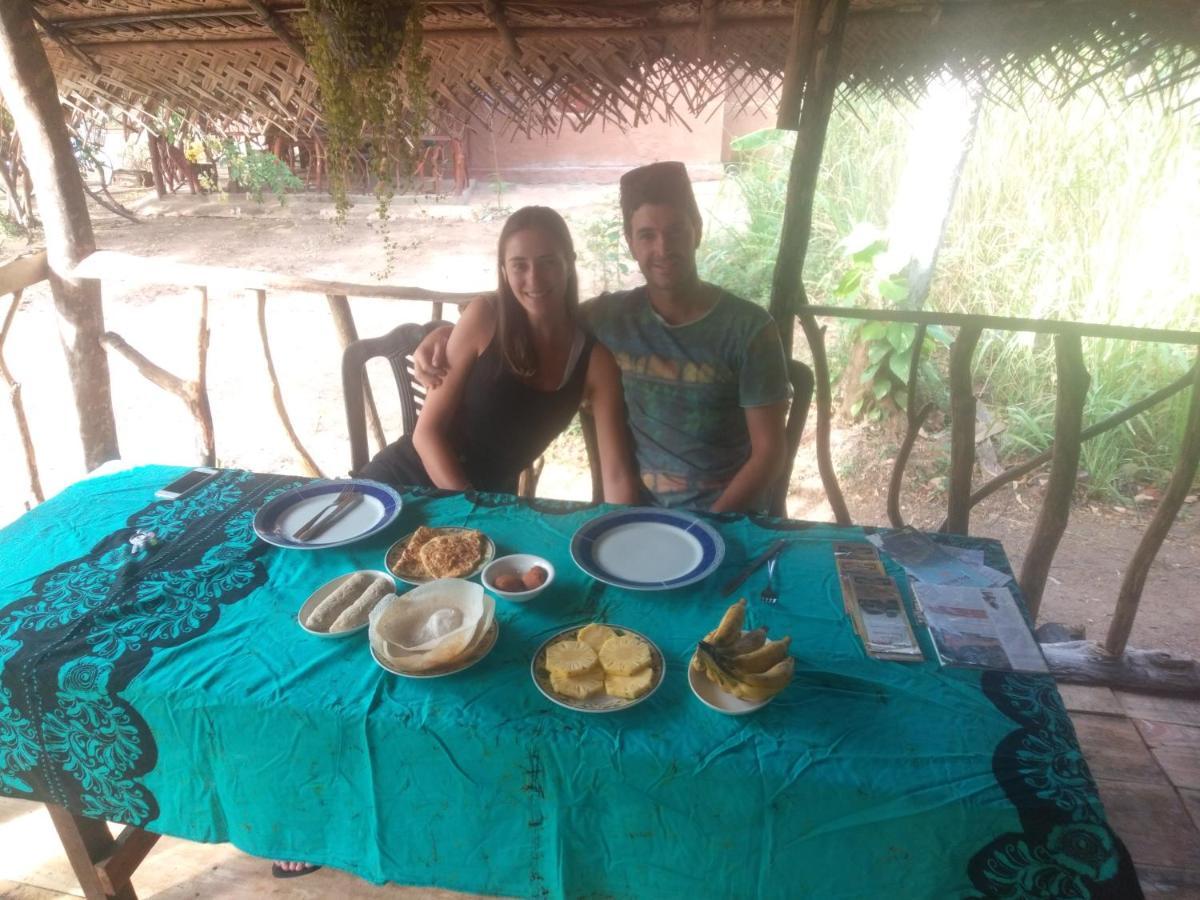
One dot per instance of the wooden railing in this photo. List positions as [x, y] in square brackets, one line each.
[109, 265]
[15, 277]
[1063, 456]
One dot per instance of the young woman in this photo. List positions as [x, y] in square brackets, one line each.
[520, 366]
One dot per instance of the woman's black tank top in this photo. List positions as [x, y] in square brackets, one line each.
[502, 425]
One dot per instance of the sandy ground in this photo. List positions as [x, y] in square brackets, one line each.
[450, 245]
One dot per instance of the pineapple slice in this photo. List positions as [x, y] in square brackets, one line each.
[595, 635]
[577, 687]
[629, 687]
[624, 655]
[570, 658]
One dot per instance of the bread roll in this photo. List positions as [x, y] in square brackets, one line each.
[331, 607]
[357, 612]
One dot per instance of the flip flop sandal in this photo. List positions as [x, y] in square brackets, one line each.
[279, 872]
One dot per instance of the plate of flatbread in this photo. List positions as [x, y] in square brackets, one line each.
[598, 668]
[431, 553]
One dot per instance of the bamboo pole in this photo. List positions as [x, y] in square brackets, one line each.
[962, 430]
[310, 465]
[14, 397]
[1073, 381]
[1168, 508]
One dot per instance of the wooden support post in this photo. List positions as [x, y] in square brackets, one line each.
[962, 430]
[1168, 508]
[31, 95]
[131, 846]
[805, 16]
[916, 418]
[824, 392]
[1052, 520]
[343, 321]
[310, 465]
[788, 296]
[156, 166]
[14, 396]
[88, 845]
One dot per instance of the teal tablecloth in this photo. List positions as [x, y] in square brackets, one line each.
[172, 688]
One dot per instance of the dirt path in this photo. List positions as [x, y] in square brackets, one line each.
[451, 246]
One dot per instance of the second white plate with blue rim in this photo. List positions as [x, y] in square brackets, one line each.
[647, 549]
[278, 521]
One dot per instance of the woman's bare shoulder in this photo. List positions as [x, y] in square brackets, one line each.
[477, 322]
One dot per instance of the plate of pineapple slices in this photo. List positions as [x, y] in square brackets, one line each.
[598, 668]
[735, 671]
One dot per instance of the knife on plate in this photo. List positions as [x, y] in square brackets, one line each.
[752, 566]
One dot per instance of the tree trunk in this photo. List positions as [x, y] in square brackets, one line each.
[29, 91]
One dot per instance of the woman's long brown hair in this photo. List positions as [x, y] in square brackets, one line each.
[512, 324]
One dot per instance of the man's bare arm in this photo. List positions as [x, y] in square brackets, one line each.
[430, 361]
[768, 444]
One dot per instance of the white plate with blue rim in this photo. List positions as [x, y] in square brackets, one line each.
[647, 549]
[374, 509]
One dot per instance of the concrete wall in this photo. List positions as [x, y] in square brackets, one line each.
[602, 151]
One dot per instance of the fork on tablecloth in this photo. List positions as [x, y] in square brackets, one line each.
[768, 594]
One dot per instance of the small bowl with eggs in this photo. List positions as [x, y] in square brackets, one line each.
[519, 577]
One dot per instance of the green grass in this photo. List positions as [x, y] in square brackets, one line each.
[1078, 210]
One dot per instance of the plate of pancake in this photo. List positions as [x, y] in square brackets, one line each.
[598, 668]
[432, 553]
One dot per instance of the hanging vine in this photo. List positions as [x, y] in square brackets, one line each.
[372, 75]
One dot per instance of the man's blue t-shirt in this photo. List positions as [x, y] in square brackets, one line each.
[686, 388]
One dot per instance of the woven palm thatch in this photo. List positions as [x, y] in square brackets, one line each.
[219, 63]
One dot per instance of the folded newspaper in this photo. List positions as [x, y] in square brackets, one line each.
[977, 627]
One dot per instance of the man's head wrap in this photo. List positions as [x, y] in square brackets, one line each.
[660, 183]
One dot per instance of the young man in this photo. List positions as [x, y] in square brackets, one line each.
[703, 372]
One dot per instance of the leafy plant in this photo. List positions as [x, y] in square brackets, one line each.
[604, 243]
[372, 76]
[889, 346]
[259, 171]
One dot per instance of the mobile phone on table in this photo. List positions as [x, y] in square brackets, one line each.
[186, 482]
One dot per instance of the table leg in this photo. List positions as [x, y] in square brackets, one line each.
[103, 864]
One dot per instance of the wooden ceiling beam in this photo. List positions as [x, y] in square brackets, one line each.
[275, 23]
[495, 12]
[52, 31]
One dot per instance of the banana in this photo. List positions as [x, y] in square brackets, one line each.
[754, 687]
[762, 659]
[775, 679]
[744, 663]
[730, 628]
[749, 641]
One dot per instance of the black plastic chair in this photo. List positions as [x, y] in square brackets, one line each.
[802, 381]
[397, 347]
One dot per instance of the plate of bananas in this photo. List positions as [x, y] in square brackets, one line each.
[735, 671]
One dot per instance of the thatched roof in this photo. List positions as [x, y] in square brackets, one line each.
[623, 60]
